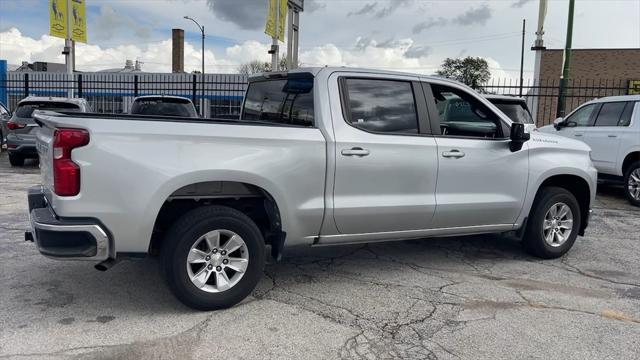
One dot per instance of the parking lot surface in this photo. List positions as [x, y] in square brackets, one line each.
[477, 297]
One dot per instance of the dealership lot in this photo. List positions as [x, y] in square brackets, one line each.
[472, 297]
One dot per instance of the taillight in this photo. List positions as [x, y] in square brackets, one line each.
[66, 173]
[15, 126]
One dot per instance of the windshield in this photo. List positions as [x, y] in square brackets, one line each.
[25, 109]
[164, 107]
[516, 111]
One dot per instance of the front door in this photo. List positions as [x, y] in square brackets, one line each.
[385, 165]
[481, 182]
[575, 123]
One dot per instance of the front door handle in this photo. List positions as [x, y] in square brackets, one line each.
[355, 151]
[612, 136]
[456, 154]
[577, 134]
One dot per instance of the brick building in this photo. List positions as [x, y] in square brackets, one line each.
[593, 73]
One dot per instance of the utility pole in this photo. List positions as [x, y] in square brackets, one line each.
[567, 63]
[201, 27]
[538, 47]
[522, 57]
[68, 51]
[274, 41]
[295, 8]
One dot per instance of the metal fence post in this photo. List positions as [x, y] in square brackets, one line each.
[193, 89]
[79, 85]
[135, 86]
[26, 84]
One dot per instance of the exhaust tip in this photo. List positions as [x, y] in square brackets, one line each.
[105, 265]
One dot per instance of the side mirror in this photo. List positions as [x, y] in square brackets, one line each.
[558, 123]
[518, 136]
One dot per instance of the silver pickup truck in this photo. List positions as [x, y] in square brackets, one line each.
[319, 156]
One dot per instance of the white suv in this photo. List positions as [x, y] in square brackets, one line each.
[611, 127]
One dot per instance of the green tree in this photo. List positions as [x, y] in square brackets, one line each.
[472, 71]
[257, 66]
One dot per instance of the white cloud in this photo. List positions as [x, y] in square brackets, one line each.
[401, 54]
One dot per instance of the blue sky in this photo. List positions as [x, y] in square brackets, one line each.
[412, 35]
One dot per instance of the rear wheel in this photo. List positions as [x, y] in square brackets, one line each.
[16, 160]
[554, 223]
[213, 257]
[632, 183]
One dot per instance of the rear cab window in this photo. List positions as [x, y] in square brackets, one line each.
[281, 101]
[164, 107]
[25, 109]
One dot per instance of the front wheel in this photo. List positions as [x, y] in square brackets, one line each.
[553, 224]
[213, 257]
[632, 183]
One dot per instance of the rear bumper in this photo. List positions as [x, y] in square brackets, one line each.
[24, 147]
[65, 239]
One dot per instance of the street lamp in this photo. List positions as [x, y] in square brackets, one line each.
[201, 27]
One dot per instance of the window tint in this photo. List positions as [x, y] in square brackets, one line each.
[610, 113]
[463, 115]
[515, 111]
[625, 119]
[164, 107]
[282, 101]
[25, 109]
[581, 117]
[382, 106]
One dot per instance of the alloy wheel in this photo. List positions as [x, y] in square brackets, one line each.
[217, 261]
[634, 184]
[558, 224]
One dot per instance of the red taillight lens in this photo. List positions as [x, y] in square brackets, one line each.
[15, 126]
[66, 173]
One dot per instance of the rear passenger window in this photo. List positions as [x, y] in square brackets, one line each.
[282, 101]
[625, 119]
[386, 106]
[610, 114]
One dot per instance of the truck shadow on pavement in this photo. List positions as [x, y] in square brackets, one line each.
[136, 286]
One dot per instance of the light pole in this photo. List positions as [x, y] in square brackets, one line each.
[201, 27]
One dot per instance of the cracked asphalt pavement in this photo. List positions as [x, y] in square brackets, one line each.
[478, 297]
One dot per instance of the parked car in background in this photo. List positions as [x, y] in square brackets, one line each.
[163, 106]
[5, 114]
[21, 139]
[514, 107]
[611, 127]
[318, 157]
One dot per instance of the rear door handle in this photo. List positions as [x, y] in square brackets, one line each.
[577, 134]
[612, 136]
[355, 151]
[453, 154]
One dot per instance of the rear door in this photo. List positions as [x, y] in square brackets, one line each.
[386, 161]
[604, 137]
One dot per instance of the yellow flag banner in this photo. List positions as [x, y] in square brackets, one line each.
[78, 21]
[58, 18]
[272, 11]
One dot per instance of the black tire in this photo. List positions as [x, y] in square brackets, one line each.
[186, 231]
[16, 160]
[627, 177]
[534, 240]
